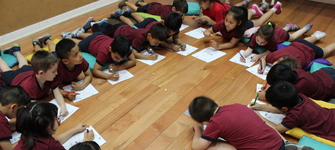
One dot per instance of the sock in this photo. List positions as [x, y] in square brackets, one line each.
[253, 11]
[274, 9]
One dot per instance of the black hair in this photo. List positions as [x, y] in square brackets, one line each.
[35, 121]
[87, 145]
[267, 31]
[173, 21]
[290, 61]
[282, 94]
[158, 31]
[64, 47]
[280, 72]
[14, 94]
[43, 60]
[180, 5]
[202, 108]
[239, 13]
[120, 45]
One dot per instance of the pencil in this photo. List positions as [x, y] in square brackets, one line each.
[255, 99]
[70, 92]
[241, 55]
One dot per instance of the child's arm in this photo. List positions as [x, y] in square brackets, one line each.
[70, 96]
[174, 47]
[87, 80]
[256, 57]
[62, 138]
[208, 32]
[177, 41]
[227, 45]
[268, 108]
[7, 145]
[98, 73]
[207, 19]
[246, 54]
[60, 100]
[131, 62]
[199, 143]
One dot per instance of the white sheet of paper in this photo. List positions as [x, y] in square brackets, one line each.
[70, 108]
[123, 75]
[209, 54]
[187, 113]
[77, 138]
[254, 70]
[183, 26]
[197, 33]
[150, 62]
[88, 91]
[273, 117]
[15, 137]
[258, 87]
[189, 49]
[236, 59]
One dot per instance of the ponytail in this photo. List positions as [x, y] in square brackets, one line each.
[267, 31]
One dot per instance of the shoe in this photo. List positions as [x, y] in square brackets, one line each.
[278, 7]
[87, 25]
[292, 27]
[13, 49]
[126, 12]
[104, 20]
[137, 1]
[41, 41]
[258, 12]
[308, 26]
[66, 35]
[116, 14]
[292, 146]
[36, 42]
[319, 35]
[78, 31]
[263, 6]
[122, 4]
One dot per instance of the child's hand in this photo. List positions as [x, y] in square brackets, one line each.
[214, 44]
[76, 86]
[207, 33]
[255, 58]
[261, 94]
[153, 57]
[183, 47]
[175, 47]
[242, 59]
[260, 71]
[114, 76]
[63, 112]
[88, 135]
[79, 127]
[72, 96]
[256, 106]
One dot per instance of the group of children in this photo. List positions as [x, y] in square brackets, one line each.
[119, 45]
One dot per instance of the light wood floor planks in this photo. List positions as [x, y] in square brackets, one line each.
[146, 111]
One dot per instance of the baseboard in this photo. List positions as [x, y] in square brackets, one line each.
[325, 1]
[28, 30]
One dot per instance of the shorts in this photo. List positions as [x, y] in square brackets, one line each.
[317, 50]
[8, 76]
[250, 24]
[145, 7]
[83, 45]
[282, 146]
[144, 23]
[330, 71]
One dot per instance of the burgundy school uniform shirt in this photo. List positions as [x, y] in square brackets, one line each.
[99, 48]
[303, 53]
[27, 80]
[218, 11]
[137, 37]
[317, 85]
[221, 27]
[66, 76]
[311, 118]
[159, 9]
[280, 36]
[242, 128]
[42, 143]
[5, 132]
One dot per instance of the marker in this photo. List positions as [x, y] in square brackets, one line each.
[241, 55]
[184, 44]
[261, 64]
[151, 51]
[71, 92]
[87, 130]
[255, 100]
[113, 71]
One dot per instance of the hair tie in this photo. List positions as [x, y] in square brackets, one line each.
[269, 23]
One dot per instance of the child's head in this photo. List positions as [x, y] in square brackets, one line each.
[13, 97]
[119, 48]
[37, 119]
[282, 95]
[157, 34]
[206, 4]
[265, 33]
[180, 6]
[202, 109]
[288, 60]
[173, 22]
[45, 64]
[280, 72]
[236, 18]
[87, 145]
[68, 52]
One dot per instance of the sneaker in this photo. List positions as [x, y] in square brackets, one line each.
[87, 25]
[36, 42]
[292, 146]
[258, 12]
[292, 27]
[319, 35]
[122, 4]
[13, 49]
[278, 7]
[104, 20]
[66, 35]
[42, 40]
[78, 31]
[263, 6]
[137, 1]
[116, 14]
[126, 12]
[308, 26]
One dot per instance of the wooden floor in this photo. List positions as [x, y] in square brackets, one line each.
[146, 111]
